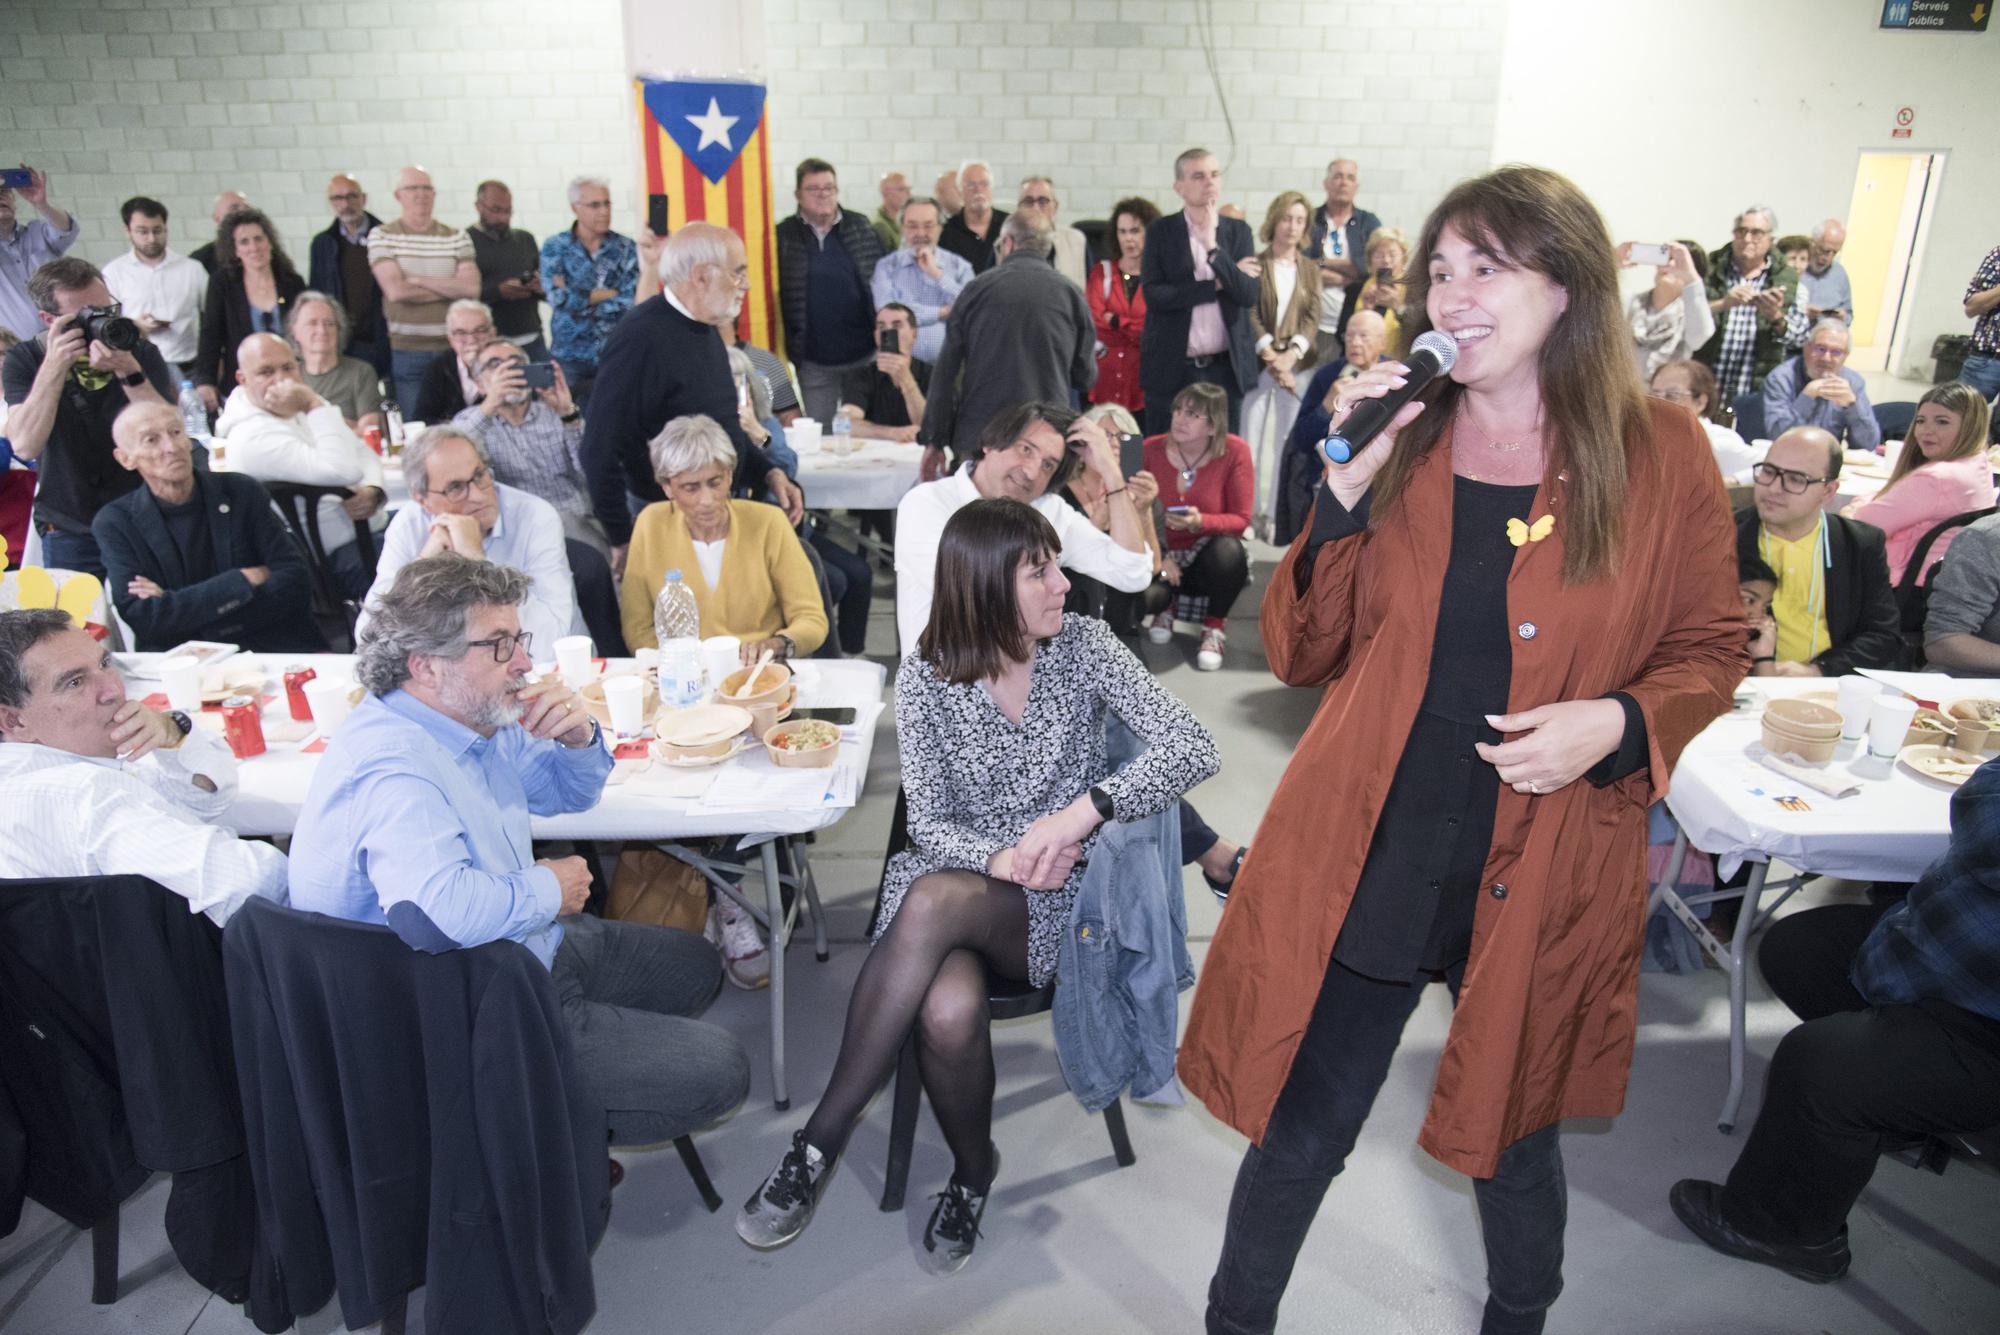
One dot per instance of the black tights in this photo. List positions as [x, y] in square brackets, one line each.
[929, 969]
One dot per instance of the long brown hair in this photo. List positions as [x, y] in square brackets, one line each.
[1954, 396]
[975, 626]
[1597, 423]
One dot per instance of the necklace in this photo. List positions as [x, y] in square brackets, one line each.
[1187, 470]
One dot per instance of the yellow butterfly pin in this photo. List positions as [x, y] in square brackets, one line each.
[1518, 532]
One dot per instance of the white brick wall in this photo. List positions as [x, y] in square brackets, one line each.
[181, 98]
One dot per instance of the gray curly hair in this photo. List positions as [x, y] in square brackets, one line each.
[424, 612]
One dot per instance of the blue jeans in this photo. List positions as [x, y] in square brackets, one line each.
[629, 994]
[72, 551]
[1356, 1024]
[1982, 372]
[407, 369]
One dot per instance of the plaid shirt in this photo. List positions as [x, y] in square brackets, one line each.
[1739, 336]
[1943, 941]
[1986, 333]
[540, 456]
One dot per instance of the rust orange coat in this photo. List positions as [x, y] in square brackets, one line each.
[1546, 1016]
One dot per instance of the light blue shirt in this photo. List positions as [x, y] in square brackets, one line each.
[1829, 291]
[33, 244]
[898, 278]
[416, 821]
[1786, 405]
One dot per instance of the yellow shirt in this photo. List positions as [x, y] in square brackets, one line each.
[1800, 604]
[768, 584]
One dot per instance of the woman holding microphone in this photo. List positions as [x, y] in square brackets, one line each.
[1521, 598]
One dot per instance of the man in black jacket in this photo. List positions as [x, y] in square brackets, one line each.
[197, 555]
[1835, 609]
[339, 268]
[826, 265]
[1201, 280]
[666, 360]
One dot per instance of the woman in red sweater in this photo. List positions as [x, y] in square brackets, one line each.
[1208, 486]
[1118, 306]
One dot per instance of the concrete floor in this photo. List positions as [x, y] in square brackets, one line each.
[1073, 1244]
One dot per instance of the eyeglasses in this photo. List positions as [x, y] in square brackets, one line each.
[819, 189]
[1822, 350]
[503, 645]
[1673, 395]
[1753, 231]
[457, 491]
[1794, 482]
[455, 335]
[1037, 201]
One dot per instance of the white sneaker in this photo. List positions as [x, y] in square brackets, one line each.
[1161, 628]
[1209, 657]
[735, 934]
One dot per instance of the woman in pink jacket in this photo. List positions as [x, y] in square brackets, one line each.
[1942, 471]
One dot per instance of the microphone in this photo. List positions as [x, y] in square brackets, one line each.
[1432, 355]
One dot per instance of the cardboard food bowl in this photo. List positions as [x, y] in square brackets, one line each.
[1931, 728]
[1975, 709]
[699, 731]
[1804, 718]
[593, 698]
[1780, 740]
[819, 757]
[772, 685]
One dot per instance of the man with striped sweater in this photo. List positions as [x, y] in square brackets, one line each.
[422, 266]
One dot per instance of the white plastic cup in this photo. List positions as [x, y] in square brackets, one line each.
[1889, 720]
[181, 678]
[625, 697]
[327, 699]
[803, 436]
[1857, 697]
[573, 655]
[721, 655]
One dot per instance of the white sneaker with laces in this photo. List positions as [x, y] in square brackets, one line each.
[1161, 628]
[1209, 657]
[735, 934]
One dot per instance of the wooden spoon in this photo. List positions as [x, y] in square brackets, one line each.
[744, 690]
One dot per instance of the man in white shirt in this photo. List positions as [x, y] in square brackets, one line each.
[94, 784]
[160, 290]
[275, 429]
[460, 508]
[1026, 453]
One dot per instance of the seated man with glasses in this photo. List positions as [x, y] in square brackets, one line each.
[1815, 388]
[534, 437]
[451, 381]
[460, 508]
[1834, 607]
[418, 819]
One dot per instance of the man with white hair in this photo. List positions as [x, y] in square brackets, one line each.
[590, 274]
[666, 360]
[1071, 249]
[460, 508]
[1750, 293]
[277, 430]
[422, 266]
[973, 233]
[1828, 294]
[449, 382]
[1815, 388]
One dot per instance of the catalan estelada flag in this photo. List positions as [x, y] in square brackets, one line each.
[707, 148]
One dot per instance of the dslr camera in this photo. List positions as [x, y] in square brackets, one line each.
[103, 324]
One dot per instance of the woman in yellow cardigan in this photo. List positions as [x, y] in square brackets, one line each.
[749, 573]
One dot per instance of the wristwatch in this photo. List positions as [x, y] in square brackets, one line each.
[1102, 801]
[183, 722]
[791, 645]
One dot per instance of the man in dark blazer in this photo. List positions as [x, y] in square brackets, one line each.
[1200, 277]
[1835, 608]
[666, 360]
[196, 555]
[339, 267]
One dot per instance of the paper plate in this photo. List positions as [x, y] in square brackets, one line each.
[1944, 764]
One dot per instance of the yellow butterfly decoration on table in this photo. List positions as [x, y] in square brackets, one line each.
[1519, 533]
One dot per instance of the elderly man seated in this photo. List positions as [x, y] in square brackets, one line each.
[533, 437]
[1815, 388]
[418, 817]
[195, 555]
[460, 508]
[1900, 1040]
[275, 429]
[1962, 621]
[1834, 606]
[750, 575]
[1365, 342]
[94, 784]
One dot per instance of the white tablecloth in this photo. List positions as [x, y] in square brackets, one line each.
[655, 805]
[874, 477]
[1891, 830]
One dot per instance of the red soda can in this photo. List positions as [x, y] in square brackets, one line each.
[372, 437]
[242, 726]
[296, 677]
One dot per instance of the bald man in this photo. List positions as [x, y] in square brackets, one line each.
[225, 203]
[887, 221]
[422, 266]
[276, 429]
[1828, 294]
[340, 269]
[196, 555]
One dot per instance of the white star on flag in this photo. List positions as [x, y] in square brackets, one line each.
[714, 127]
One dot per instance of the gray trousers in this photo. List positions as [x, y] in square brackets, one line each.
[629, 994]
[819, 389]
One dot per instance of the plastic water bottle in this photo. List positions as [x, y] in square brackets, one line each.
[194, 413]
[677, 626]
[843, 433]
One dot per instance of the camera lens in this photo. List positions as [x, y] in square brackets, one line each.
[113, 331]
